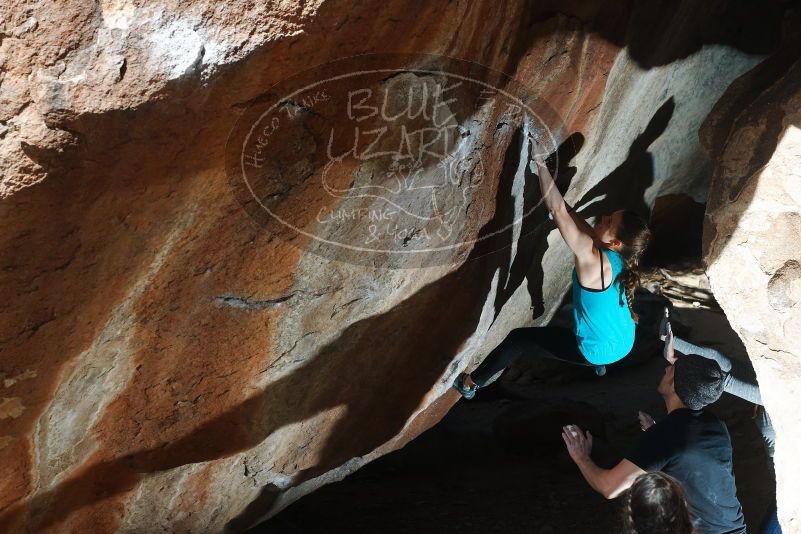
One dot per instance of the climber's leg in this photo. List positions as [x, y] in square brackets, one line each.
[540, 341]
[766, 430]
[770, 524]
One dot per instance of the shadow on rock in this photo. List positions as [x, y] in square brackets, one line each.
[535, 227]
[379, 369]
[624, 188]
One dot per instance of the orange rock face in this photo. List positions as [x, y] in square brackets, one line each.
[174, 358]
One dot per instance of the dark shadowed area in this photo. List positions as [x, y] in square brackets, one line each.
[497, 463]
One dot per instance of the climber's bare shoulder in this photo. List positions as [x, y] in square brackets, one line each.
[587, 267]
[576, 236]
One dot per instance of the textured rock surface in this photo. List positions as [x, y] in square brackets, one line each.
[167, 363]
[751, 235]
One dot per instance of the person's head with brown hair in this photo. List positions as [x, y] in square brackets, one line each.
[655, 504]
[627, 233]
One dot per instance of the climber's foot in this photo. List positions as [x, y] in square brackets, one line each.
[465, 385]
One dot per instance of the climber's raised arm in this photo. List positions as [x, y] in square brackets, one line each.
[579, 237]
[580, 221]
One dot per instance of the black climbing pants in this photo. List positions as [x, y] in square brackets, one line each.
[555, 342]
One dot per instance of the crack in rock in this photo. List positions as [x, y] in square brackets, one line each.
[244, 303]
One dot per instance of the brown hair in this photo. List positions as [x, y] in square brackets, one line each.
[634, 234]
[655, 504]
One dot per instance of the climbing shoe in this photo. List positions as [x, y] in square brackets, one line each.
[467, 392]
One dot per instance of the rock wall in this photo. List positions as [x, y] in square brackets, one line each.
[753, 220]
[168, 363]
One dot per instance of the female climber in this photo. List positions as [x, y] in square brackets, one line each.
[605, 277]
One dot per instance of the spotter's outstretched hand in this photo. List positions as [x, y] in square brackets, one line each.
[646, 421]
[579, 444]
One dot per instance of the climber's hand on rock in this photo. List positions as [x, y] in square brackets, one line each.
[538, 152]
[646, 421]
[579, 444]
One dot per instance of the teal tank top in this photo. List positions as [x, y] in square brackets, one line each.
[601, 319]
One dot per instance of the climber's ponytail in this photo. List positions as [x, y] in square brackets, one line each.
[634, 235]
[629, 278]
